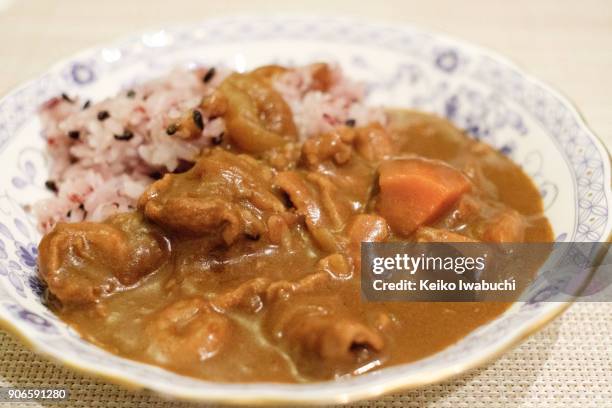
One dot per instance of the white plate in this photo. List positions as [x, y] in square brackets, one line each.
[403, 66]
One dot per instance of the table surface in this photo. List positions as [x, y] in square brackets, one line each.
[568, 44]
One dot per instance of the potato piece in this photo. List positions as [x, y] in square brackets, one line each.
[414, 192]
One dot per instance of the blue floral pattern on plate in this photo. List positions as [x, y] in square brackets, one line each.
[402, 66]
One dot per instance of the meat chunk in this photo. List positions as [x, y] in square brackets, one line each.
[82, 262]
[148, 246]
[488, 220]
[198, 216]
[323, 211]
[337, 266]
[416, 191]
[336, 184]
[507, 226]
[278, 228]
[428, 234]
[373, 142]
[247, 296]
[257, 117]
[186, 331]
[331, 338]
[308, 284]
[268, 73]
[368, 228]
[336, 146]
[365, 228]
[330, 334]
[253, 294]
[224, 193]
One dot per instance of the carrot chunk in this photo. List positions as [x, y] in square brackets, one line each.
[416, 191]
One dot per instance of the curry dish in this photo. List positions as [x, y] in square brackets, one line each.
[245, 267]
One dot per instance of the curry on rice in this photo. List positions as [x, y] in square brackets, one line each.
[243, 265]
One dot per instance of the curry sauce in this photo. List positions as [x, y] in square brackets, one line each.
[246, 267]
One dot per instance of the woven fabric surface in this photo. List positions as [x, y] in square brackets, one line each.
[568, 364]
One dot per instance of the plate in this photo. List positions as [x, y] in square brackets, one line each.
[403, 67]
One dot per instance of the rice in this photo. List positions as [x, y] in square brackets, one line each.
[317, 112]
[103, 155]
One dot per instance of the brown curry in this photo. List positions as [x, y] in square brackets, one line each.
[246, 267]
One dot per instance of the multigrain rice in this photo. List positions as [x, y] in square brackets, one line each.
[104, 154]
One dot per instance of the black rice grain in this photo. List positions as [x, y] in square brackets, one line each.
[127, 135]
[209, 75]
[171, 129]
[103, 115]
[218, 139]
[197, 119]
[67, 98]
[51, 185]
[156, 175]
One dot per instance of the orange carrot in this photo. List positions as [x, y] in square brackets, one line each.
[415, 191]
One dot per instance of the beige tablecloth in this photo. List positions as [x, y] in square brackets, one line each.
[568, 44]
